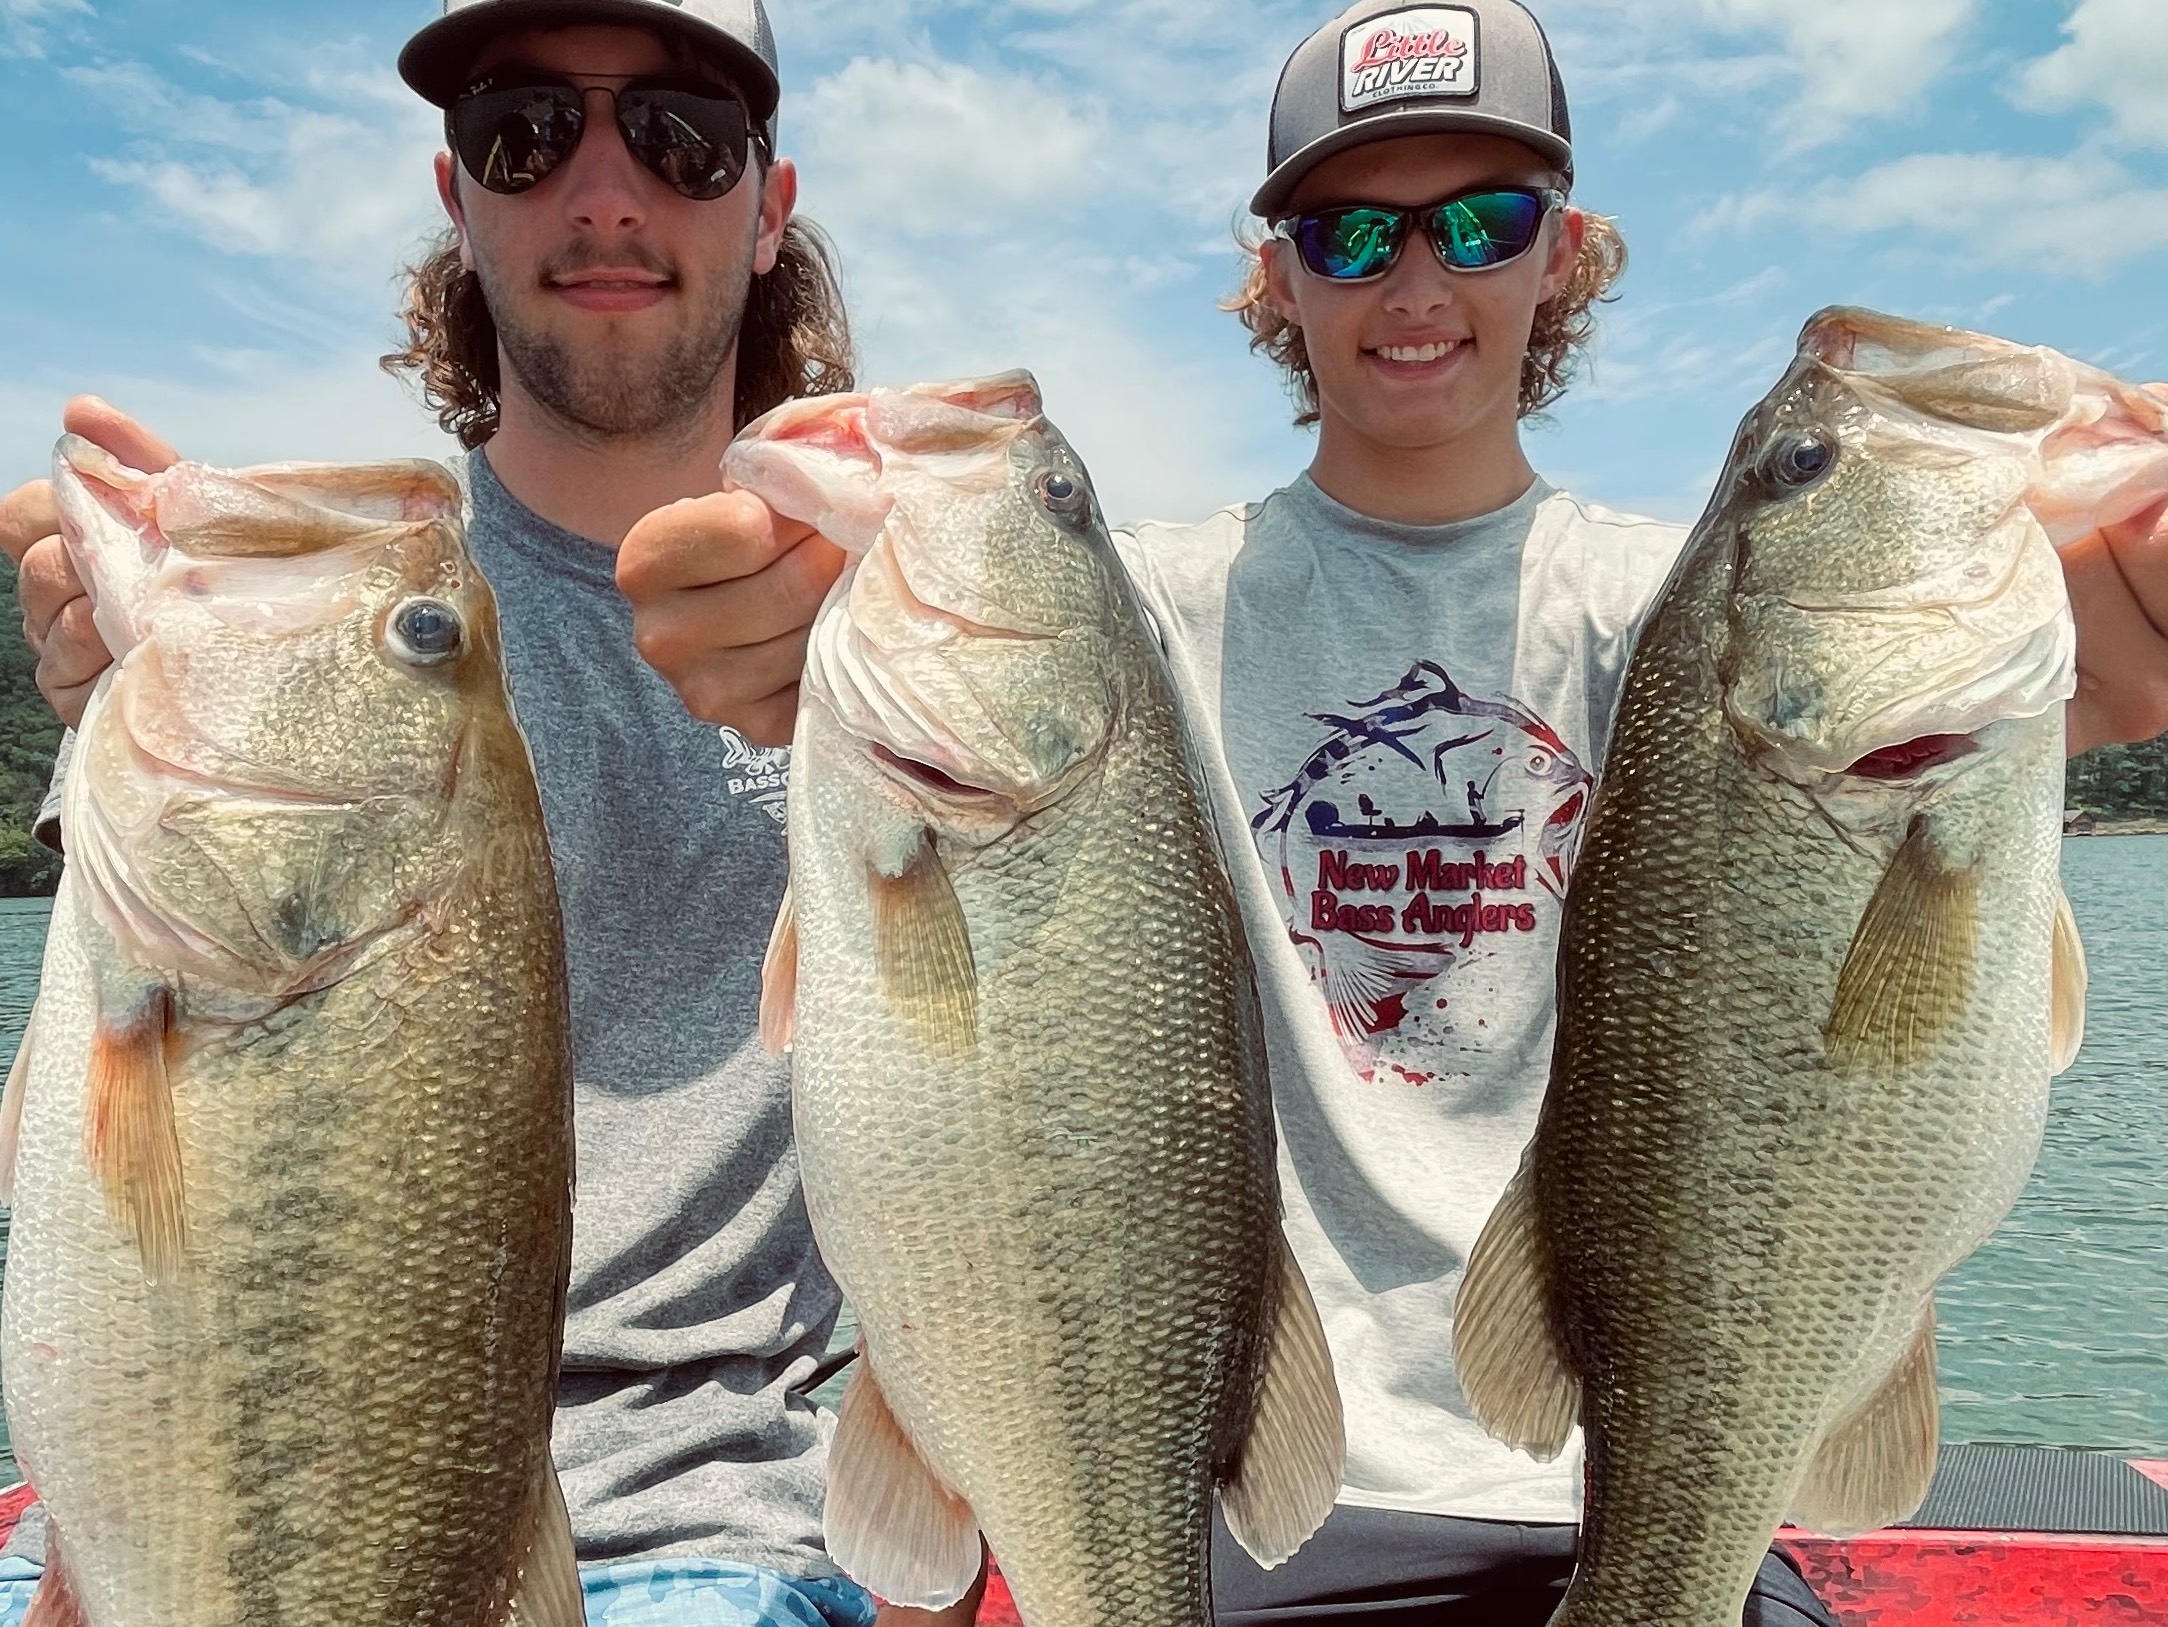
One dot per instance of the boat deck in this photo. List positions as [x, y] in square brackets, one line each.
[2011, 1536]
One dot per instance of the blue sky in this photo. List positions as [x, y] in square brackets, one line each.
[208, 201]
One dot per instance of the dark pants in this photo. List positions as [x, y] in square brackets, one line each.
[1411, 1570]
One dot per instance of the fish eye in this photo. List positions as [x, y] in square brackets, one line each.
[426, 632]
[1062, 495]
[1799, 460]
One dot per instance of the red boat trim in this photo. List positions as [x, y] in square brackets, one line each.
[14, 1503]
[1986, 1579]
[2154, 1469]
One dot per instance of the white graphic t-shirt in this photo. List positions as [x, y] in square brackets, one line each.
[1401, 727]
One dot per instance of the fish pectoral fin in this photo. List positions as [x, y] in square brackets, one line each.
[2070, 980]
[129, 1132]
[1878, 1465]
[891, 1522]
[1295, 1454]
[11, 1111]
[779, 980]
[54, 1604]
[922, 947]
[1910, 972]
[549, 1592]
[1505, 1346]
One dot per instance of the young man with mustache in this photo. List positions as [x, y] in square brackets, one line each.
[623, 287]
[1408, 655]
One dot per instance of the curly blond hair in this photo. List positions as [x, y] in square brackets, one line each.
[1565, 324]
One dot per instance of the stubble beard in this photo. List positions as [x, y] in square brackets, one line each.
[615, 394]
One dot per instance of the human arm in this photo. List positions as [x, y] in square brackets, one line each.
[2118, 579]
[56, 611]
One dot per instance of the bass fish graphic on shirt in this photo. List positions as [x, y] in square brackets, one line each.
[1423, 851]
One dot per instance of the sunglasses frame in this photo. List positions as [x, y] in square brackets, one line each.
[538, 79]
[1428, 216]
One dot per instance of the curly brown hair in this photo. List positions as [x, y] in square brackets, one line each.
[795, 339]
[1564, 324]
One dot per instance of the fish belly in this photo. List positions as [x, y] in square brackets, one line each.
[338, 1412]
[1059, 1245]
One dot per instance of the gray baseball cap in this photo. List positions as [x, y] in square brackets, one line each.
[1386, 68]
[436, 61]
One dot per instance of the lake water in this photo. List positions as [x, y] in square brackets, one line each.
[2056, 1331]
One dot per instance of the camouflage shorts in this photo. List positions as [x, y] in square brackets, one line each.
[650, 1593]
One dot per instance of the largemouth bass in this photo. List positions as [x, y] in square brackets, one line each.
[1817, 969]
[1030, 1086]
[292, 1185]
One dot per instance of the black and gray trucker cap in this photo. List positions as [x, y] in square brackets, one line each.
[736, 32]
[1385, 68]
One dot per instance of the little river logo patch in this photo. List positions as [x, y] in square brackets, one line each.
[1423, 51]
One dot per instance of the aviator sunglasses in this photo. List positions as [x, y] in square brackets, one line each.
[510, 135]
[1474, 231]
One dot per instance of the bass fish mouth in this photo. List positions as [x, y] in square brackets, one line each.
[926, 776]
[1914, 757]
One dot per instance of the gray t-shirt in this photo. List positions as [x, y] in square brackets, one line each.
[698, 1304]
[1400, 727]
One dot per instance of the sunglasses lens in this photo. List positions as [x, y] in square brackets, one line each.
[696, 144]
[511, 139]
[1349, 244]
[1487, 228]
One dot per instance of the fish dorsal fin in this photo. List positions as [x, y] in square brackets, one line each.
[1910, 972]
[1505, 1348]
[133, 1142]
[11, 1111]
[779, 980]
[1877, 1466]
[1295, 1454]
[549, 1592]
[922, 947]
[891, 1523]
[2070, 981]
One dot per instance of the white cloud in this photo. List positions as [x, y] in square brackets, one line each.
[341, 186]
[2117, 57]
[993, 217]
[234, 409]
[24, 24]
[940, 149]
[2080, 216]
[1848, 59]
[1857, 57]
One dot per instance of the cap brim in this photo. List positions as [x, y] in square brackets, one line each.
[437, 61]
[1272, 198]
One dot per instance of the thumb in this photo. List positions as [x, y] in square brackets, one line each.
[104, 424]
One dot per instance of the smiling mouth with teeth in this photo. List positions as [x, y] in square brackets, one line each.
[1417, 353]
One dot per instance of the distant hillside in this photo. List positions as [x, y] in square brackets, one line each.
[29, 736]
[2122, 782]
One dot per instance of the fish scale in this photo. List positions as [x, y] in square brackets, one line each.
[1074, 1259]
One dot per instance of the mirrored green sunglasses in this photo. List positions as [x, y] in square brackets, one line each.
[1473, 231]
